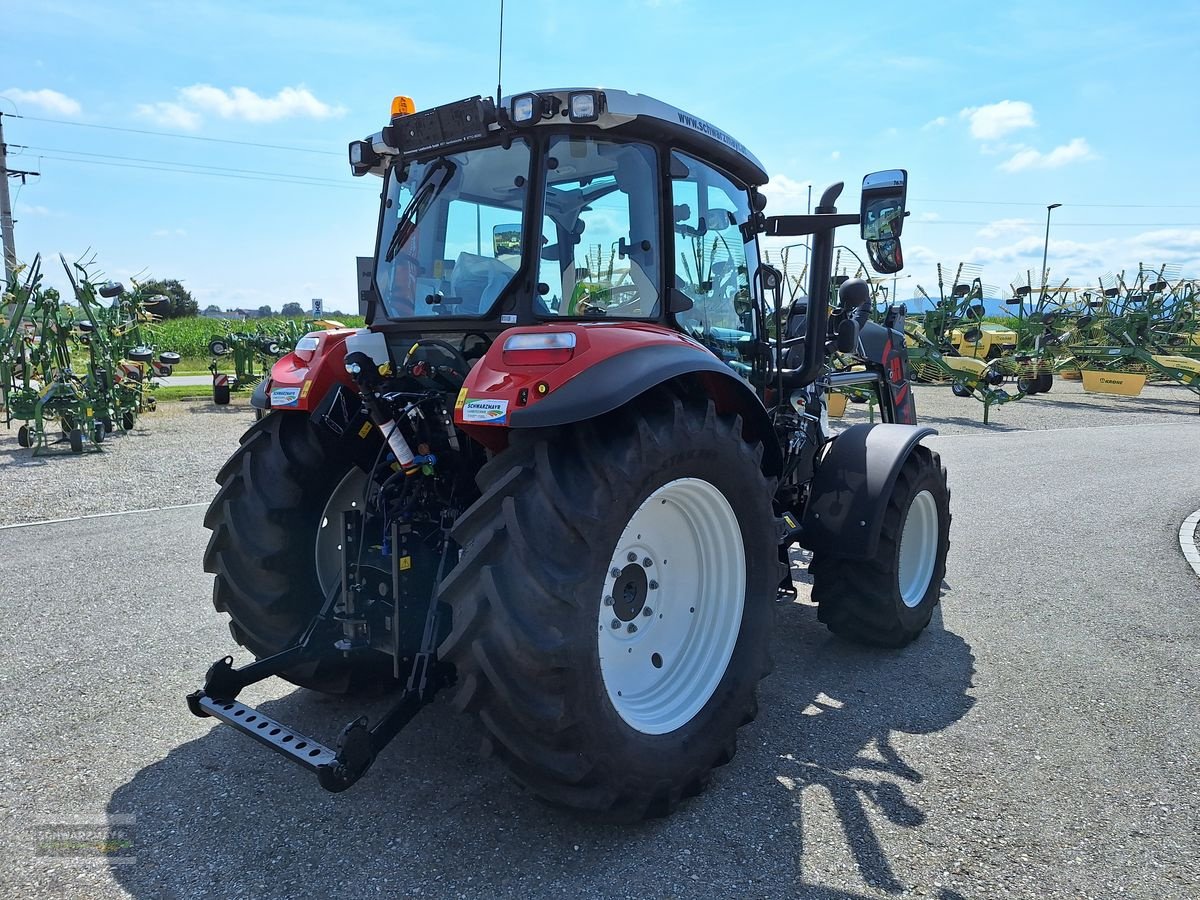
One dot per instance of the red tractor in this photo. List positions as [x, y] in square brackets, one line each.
[559, 472]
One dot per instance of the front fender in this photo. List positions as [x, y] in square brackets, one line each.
[852, 486]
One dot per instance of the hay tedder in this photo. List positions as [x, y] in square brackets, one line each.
[1137, 330]
[254, 352]
[86, 368]
[573, 517]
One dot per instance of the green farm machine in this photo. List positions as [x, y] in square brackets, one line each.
[86, 368]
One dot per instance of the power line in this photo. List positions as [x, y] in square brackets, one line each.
[1043, 205]
[1075, 224]
[170, 162]
[184, 137]
[97, 162]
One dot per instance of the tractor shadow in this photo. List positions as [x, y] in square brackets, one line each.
[221, 816]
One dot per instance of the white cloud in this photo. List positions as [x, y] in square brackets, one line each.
[1001, 227]
[168, 232]
[171, 115]
[1028, 158]
[191, 103]
[935, 123]
[927, 217]
[22, 209]
[998, 119]
[243, 103]
[46, 100]
[836, 154]
[786, 195]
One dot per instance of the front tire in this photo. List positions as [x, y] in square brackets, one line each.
[657, 518]
[888, 600]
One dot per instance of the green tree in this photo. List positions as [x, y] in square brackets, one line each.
[178, 302]
[212, 309]
[292, 309]
[264, 310]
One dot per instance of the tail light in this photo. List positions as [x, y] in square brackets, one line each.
[549, 348]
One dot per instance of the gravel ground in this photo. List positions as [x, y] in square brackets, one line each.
[169, 459]
[174, 453]
[1039, 741]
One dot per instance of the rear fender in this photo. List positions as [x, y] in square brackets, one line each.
[852, 486]
[612, 364]
[299, 381]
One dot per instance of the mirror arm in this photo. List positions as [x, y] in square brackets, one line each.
[798, 226]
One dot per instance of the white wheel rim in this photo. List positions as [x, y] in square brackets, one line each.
[328, 550]
[918, 549]
[671, 608]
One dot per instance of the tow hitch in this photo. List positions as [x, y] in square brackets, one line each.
[337, 630]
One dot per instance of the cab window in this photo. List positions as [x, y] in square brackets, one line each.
[714, 263]
[601, 253]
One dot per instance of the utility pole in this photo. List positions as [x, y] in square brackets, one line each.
[6, 221]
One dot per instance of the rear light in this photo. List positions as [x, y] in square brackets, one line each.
[307, 346]
[550, 348]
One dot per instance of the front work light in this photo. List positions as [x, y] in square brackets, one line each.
[526, 109]
[529, 109]
[362, 157]
[584, 106]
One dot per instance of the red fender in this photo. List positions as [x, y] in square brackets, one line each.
[301, 379]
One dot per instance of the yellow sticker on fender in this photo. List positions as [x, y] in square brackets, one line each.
[304, 389]
[405, 563]
[462, 398]
[365, 430]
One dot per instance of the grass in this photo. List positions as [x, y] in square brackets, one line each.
[189, 337]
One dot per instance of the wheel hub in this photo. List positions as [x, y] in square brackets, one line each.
[630, 592]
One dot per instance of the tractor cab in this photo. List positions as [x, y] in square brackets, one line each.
[572, 205]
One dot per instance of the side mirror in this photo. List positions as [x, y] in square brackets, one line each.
[881, 215]
[506, 241]
[885, 256]
[772, 282]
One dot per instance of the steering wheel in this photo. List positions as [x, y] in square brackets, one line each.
[461, 366]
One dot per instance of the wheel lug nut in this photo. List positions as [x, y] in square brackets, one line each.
[631, 628]
[647, 562]
[631, 556]
[653, 585]
[647, 611]
[616, 623]
[608, 601]
[615, 572]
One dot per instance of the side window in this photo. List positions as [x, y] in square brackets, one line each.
[600, 254]
[714, 265]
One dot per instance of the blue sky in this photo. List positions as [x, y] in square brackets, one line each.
[996, 110]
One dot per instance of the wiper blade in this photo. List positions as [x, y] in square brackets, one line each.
[425, 194]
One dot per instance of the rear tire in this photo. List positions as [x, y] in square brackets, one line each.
[960, 390]
[264, 522]
[1045, 381]
[23, 438]
[1028, 386]
[618, 724]
[888, 600]
[75, 436]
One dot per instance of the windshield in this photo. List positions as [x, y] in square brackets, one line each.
[437, 249]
